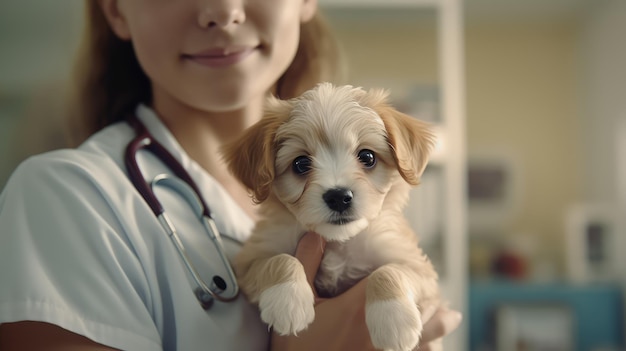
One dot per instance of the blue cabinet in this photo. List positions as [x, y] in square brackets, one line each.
[593, 315]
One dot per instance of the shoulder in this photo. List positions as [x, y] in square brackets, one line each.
[66, 182]
[66, 161]
[61, 171]
[64, 186]
[98, 158]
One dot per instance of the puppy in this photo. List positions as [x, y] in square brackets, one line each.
[338, 161]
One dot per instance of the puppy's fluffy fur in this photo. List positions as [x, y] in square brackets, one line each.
[338, 161]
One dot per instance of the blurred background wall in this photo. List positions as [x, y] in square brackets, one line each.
[37, 41]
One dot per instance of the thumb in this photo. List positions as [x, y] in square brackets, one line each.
[309, 252]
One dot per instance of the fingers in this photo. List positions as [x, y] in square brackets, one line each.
[435, 345]
[428, 312]
[442, 323]
[310, 251]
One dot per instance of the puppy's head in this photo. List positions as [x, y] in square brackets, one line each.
[331, 156]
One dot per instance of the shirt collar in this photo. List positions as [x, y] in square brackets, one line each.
[228, 216]
[162, 134]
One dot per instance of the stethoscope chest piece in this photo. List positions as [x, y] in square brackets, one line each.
[206, 300]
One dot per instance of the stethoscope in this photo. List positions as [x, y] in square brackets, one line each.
[187, 188]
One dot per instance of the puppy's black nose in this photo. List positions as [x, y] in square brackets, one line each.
[338, 199]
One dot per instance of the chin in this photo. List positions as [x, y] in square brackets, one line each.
[233, 96]
[339, 161]
[340, 232]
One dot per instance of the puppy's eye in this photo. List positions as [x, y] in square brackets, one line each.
[301, 165]
[367, 158]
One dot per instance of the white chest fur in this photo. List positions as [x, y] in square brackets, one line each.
[345, 263]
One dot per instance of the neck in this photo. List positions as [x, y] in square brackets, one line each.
[201, 134]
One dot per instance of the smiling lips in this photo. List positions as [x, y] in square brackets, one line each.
[219, 57]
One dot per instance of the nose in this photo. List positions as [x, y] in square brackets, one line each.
[221, 13]
[338, 199]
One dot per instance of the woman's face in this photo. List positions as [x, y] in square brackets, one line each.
[213, 55]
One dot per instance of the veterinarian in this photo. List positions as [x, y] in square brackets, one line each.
[86, 264]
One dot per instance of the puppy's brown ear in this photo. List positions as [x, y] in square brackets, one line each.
[411, 141]
[250, 158]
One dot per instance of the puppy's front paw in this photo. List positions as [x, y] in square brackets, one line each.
[288, 307]
[394, 324]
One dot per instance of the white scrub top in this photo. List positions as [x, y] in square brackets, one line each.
[80, 248]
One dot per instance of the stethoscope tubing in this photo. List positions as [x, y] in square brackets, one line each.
[185, 186]
[209, 224]
[144, 140]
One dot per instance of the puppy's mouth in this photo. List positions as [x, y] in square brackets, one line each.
[341, 220]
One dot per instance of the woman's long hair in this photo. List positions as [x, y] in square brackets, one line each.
[109, 82]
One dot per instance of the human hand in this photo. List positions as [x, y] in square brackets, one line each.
[340, 321]
[438, 322]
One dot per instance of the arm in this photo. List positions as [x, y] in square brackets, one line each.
[65, 260]
[26, 336]
[340, 321]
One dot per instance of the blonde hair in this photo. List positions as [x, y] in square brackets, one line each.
[109, 82]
